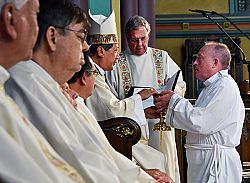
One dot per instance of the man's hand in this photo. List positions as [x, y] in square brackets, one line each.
[159, 176]
[161, 100]
[146, 93]
[151, 113]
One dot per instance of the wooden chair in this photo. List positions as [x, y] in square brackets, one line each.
[122, 134]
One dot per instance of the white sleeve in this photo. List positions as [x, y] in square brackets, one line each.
[139, 115]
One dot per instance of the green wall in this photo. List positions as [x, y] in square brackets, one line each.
[100, 7]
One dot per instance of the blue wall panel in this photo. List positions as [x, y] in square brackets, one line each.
[100, 6]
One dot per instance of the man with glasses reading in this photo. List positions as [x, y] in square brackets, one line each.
[143, 66]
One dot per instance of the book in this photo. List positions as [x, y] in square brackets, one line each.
[170, 84]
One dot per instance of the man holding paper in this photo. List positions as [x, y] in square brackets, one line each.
[143, 66]
[214, 123]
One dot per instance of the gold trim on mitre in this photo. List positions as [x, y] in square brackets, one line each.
[103, 39]
[103, 29]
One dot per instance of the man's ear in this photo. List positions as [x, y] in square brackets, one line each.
[51, 37]
[8, 16]
[216, 62]
[100, 51]
[83, 79]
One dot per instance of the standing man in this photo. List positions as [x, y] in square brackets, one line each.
[214, 123]
[147, 67]
[25, 156]
[35, 86]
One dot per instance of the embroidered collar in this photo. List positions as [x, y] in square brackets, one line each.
[216, 76]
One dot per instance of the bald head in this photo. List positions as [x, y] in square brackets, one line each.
[212, 58]
[221, 50]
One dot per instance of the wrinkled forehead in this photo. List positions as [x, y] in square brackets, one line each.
[18, 3]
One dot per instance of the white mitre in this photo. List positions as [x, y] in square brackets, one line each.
[103, 29]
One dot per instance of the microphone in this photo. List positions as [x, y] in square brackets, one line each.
[202, 11]
[213, 12]
[219, 26]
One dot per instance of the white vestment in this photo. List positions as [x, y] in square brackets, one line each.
[143, 73]
[25, 154]
[214, 127]
[70, 133]
[104, 105]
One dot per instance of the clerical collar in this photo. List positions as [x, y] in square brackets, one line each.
[215, 77]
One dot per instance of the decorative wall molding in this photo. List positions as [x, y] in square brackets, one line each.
[182, 26]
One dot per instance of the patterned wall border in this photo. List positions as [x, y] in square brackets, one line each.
[184, 26]
[195, 25]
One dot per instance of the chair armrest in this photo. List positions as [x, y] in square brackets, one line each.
[122, 133]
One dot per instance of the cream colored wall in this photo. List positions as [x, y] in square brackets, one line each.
[182, 6]
[175, 48]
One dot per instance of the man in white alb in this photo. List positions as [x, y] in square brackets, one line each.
[214, 123]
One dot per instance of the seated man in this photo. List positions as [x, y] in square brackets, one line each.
[25, 155]
[83, 83]
[35, 87]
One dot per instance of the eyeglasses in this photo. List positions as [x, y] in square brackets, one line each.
[136, 40]
[95, 72]
[83, 32]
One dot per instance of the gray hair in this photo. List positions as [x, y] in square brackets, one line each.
[18, 3]
[222, 51]
[136, 22]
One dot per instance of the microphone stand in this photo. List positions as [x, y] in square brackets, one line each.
[219, 26]
[247, 62]
[215, 13]
[244, 61]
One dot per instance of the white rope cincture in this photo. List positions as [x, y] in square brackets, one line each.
[215, 167]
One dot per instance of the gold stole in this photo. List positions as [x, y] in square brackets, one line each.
[126, 74]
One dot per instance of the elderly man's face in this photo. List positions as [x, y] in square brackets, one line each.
[138, 41]
[69, 49]
[26, 20]
[111, 57]
[203, 65]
